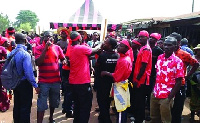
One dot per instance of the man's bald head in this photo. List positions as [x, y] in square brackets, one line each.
[74, 34]
[171, 39]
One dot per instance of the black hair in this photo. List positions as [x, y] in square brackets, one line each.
[184, 41]
[3, 33]
[48, 33]
[176, 35]
[11, 29]
[129, 43]
[23, 32]
[112, 42]
[95, 32]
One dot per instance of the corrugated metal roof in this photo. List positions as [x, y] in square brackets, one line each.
[184, 16]
[163, 19]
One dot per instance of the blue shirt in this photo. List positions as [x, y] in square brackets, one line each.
[24, 64]
[187, 49]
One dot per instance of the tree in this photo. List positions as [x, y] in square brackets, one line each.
[25, 26]
[4, 22]
[27, 16]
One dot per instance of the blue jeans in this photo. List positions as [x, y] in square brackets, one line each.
[49, 91]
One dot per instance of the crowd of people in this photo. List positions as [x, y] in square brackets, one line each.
[131, 75]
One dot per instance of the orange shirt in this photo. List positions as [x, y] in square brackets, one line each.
[145, 56]
[187, 60]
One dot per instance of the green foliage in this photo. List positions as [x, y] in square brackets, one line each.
[25, 26]
[4, 22]
[27, 16]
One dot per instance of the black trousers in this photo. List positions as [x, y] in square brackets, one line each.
[178, 105]
[121, 117]
[139, 103]
[149, 90]
[82, 96]
[67, 103]
[103, 99]
[23, 95]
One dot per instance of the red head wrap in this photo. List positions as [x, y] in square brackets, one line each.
[64, 30]
[130, 51]
[156, 35]
[78, 37]
[10, 31]
[136, 42]
[144, 33]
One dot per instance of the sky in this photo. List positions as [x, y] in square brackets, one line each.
[116, 11]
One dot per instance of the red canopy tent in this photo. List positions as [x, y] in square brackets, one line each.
[86, 18]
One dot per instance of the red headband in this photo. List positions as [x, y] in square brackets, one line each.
[156, 36]
[78, 37]
[136, 42]
[130, 51]
[66, 32]
[126, 43]
[10, 31]
[144, 33]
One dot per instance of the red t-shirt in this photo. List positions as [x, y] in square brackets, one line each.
[49, 69]
[79, 64]
[187, 60]
[123, 68]
[145, 56]
[167, 69]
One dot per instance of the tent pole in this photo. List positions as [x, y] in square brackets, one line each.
[103, 30]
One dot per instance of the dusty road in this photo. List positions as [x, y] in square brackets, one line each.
[6, 117]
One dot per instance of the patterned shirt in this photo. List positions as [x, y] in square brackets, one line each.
[187, 60]
[168, 69]
[145, 56]
[49, 69]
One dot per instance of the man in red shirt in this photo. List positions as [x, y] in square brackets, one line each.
[120, 75]
[141, 76]
[180, 97]
[47, 56]
[79, 78]
[169, 74]
[10, 32]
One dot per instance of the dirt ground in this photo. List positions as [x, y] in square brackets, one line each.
[6, 117]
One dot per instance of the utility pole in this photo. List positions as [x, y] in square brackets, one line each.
[192, 5]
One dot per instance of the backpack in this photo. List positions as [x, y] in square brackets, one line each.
[9, 75]
[4, 100]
